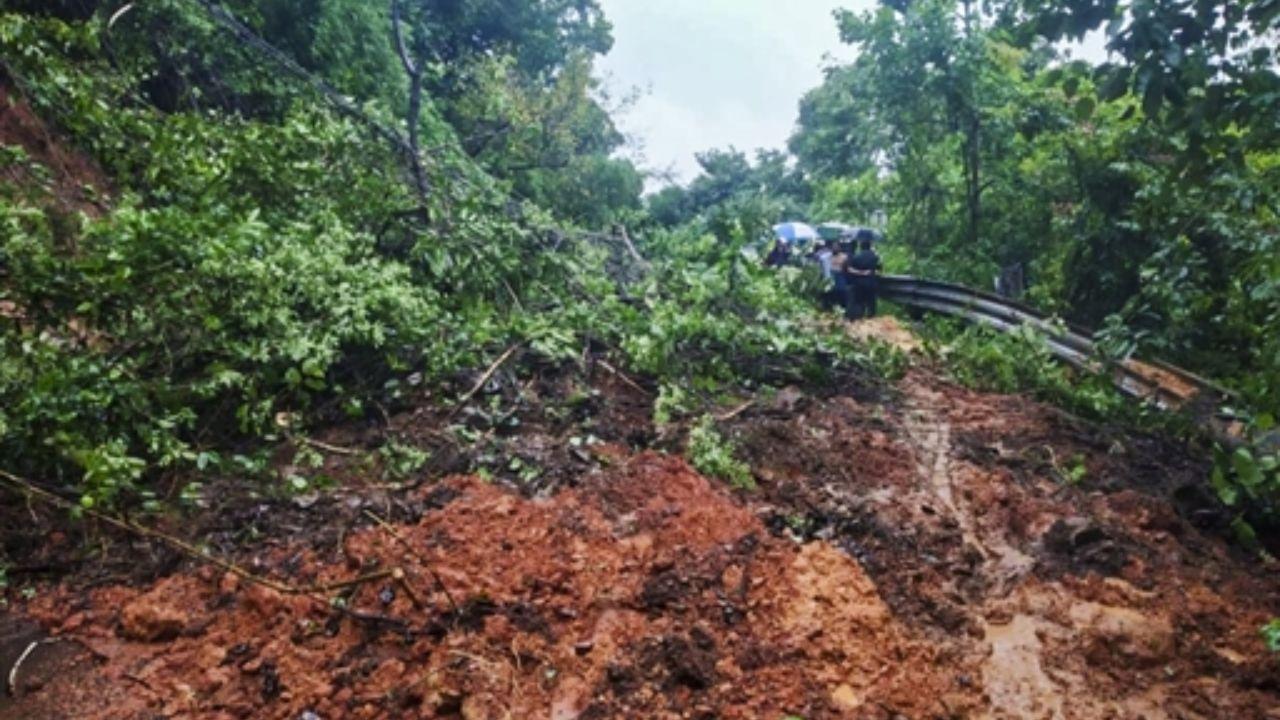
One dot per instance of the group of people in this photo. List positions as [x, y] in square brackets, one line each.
[850, 266]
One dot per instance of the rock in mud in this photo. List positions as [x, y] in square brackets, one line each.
[152, 619]
[1131, 637]
[1085, 545]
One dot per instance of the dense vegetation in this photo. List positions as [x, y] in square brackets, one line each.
[270, 256]
[311, 203]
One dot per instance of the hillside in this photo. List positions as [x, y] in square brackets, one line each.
[345, 372]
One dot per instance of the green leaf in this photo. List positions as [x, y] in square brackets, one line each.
[1084, 107]
[1245, 533]
[1228, 493]
[1248, 471]
[1115, 84]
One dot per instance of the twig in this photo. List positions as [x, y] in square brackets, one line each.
[314, 591]
[488, 374]
[426, 564]
[13, 671]
[635, 255]
[333, 449]
[622, 376]
[725, 417]
[399, 576]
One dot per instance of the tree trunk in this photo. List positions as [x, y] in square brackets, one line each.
[973, 177]
[415, 71]
[973, 138]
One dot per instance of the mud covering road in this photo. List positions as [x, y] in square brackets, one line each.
[936, 553]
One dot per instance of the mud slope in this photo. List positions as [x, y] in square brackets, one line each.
[1109, 596]
[921, 557]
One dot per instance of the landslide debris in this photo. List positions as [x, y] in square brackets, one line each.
[920, 553]
[649, 592]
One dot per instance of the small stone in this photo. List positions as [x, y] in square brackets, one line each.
[229, 584]
[845, 698]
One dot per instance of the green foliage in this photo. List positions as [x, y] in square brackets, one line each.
[729, 188]
[1207, 69]
[400, 461]
[711, 315]
[1142, 196]
[514, 78]
[261, 257]
[247, 267]
[1073, 472]
[714, 456]
[1248, 477]
[672, 402]
[1271, 635]
[983, 359]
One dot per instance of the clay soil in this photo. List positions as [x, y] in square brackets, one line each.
[914, 551]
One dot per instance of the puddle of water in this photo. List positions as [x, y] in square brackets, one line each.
[1015, 680]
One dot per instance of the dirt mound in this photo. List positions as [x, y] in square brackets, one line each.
[885, 329]
[648, 593]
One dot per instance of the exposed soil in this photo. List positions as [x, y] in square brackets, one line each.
[886, 329]
[928, 552]
[73, 181]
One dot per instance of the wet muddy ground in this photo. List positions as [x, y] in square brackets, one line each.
[919, 551]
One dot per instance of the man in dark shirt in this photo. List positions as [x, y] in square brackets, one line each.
[780, 255]
[863, 270]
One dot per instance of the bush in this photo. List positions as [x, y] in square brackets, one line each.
[982, 358]
[714, 456]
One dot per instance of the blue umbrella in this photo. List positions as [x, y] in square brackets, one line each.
[795, 232]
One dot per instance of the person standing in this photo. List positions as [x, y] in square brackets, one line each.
[780, 255]
[863, 270]
[822, 256]
[839, 276]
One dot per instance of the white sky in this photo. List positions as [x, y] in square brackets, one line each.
[716, 73]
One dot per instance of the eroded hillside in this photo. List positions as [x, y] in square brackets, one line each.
[918, 551]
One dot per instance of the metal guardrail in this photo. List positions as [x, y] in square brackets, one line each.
[1167, 386]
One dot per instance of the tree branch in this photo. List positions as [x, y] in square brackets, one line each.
[410, 67]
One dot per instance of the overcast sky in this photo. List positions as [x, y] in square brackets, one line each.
[716, 73]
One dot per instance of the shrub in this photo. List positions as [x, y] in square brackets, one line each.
[715, 456]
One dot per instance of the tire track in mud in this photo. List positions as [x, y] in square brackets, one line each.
[1080, 645]
[1090, 600]
[1013, 676]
